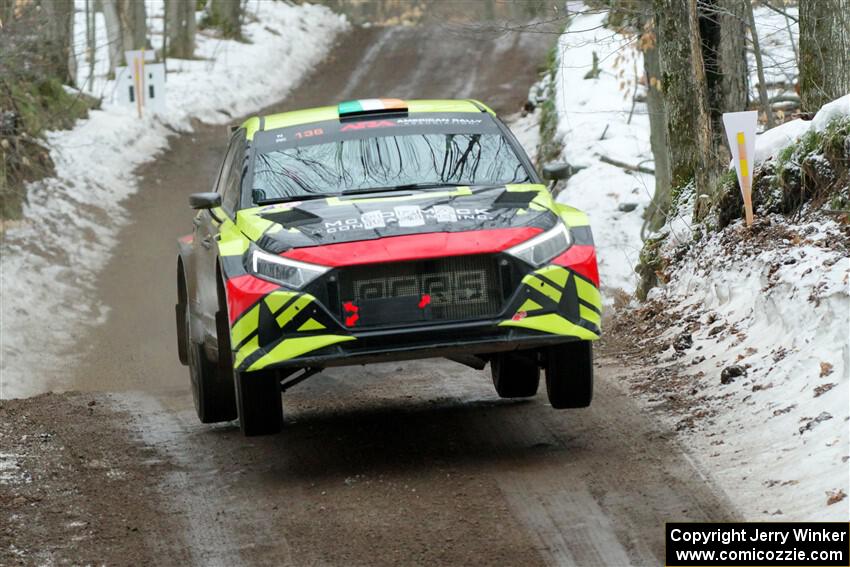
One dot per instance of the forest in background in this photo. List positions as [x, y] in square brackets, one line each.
[695, 56]
[47, 81]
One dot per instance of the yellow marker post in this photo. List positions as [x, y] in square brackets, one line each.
[746, 179]
[741, 135]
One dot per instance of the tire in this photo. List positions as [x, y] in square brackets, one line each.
[569, 375]
[181, 311]
[515, 374]
[212, 387]
[212, 384]
[258, 399]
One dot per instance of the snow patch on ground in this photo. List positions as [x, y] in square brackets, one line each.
[50, 261]
[777, 437]
[770, 308]
[593, 121]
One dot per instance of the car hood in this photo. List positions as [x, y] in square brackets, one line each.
[296, 224]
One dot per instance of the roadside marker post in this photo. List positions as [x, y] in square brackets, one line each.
[741, 134]
[141, 82]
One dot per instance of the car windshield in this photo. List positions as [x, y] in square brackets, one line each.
[379, 162]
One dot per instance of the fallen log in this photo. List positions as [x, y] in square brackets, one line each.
[626, 166]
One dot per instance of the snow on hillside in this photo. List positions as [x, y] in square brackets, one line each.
[757, 336]
[593, 121]
[51, 259]
[776, 435]
[774, 307]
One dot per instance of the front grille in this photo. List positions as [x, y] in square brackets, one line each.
[459, 288]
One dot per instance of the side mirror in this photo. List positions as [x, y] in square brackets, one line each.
[208, 200]
[557, 170]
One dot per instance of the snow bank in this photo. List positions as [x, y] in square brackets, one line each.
[775, 437]
[770, 308]
[771, 142]
[593, 121]
[777, 308]
[829, 112]
[50, 261]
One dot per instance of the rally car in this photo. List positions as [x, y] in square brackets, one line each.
[380, 230]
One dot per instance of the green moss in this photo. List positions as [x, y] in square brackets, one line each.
[45, 105]
[814, 171]
[39, 104]
[680, 194]
[213, 20]
[651, 265]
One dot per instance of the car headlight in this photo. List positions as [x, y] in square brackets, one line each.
[284, 271]
[543, 247]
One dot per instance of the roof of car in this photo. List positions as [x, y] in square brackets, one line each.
[363, 107]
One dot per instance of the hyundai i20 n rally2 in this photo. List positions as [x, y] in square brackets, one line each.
[381, 230]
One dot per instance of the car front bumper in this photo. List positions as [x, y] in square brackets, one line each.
[291, 329]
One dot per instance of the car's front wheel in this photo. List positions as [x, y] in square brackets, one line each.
[212, 387]
[258, 399]
[212, 384]
[569, 374]
[515, 374]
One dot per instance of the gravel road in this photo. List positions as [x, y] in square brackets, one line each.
[414, 463]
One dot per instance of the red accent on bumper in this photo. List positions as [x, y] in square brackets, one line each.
[187, 239]
[349, 307]
[244, 291]
[581, 259]
[413, 247]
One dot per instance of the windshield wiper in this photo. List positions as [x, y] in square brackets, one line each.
[397, 188]
[305, 197]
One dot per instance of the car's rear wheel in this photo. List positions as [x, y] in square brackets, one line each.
[569, 374]
[258, 399]
[515, 374]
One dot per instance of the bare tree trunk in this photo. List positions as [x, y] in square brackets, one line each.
[703, 175]
[59, 43]
[680, 89]
[656, 213]
[113, 34]
[824, 51]
[126, 29]
[7, 10]
[226, 15]
[763, 101]
[137, 24]
[91, 38]
[180, 18]
[732, 58]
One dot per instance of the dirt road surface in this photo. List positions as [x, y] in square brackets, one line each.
[414, 463]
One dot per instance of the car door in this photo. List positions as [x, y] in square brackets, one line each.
[207, 224]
